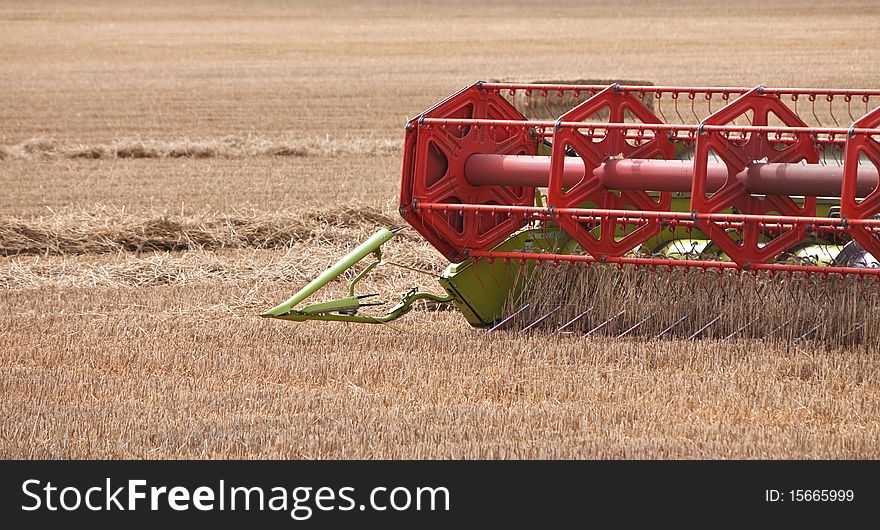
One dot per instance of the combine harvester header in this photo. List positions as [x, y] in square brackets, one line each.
[649, 177]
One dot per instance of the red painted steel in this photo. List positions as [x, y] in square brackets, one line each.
[680, 89]
[633, 215]
[750, 245]
[666, 262]
[601, 239]
[470, 168]
[690, 130]
[434, 170]
[666, 175]
[851, 207]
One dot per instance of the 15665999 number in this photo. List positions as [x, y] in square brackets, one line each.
[821, 495]
[809, 495]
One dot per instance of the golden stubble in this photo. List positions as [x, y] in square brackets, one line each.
[169, 171]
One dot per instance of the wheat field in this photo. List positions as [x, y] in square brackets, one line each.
[171, 170]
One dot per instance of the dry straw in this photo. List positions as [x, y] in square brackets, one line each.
[223, 147]
[697, 304]
[111, 230]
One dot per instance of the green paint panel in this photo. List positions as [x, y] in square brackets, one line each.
[479, 289]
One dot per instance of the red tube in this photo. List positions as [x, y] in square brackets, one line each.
[667, 175]
[519, 170]
[811, 180]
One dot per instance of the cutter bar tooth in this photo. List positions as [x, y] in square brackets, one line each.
[603, 324]
[575, 319]
[633, 328]
[669, 328]
[704, 328]
[543, 318]
[508, 319]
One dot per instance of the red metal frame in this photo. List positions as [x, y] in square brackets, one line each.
[655, 263]
[434, 171]
[590, 189]
[746, 246]
[851, 208]
[463, 220]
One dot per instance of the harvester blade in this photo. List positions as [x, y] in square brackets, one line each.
[690, 306]
[603, 324]
[808, 333]
[669, 327]
[704, 328]
[741, 329]
[634, 327]
[508, 319]
[779, 327]
[543, 318]
[575, 319]
[854, 329]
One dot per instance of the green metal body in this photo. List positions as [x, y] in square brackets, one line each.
[479, 289]
[346, 309]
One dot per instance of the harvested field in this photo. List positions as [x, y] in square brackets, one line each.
[169, 171]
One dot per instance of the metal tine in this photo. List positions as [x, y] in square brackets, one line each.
[853, 330]
[669, 328]
[744, 326]
[634, 327]
[779, 327]
[543, 318]
[802, 337]
[508, 319]
[831, 111]
[603, 324]
[704, 328]
[575, 319]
